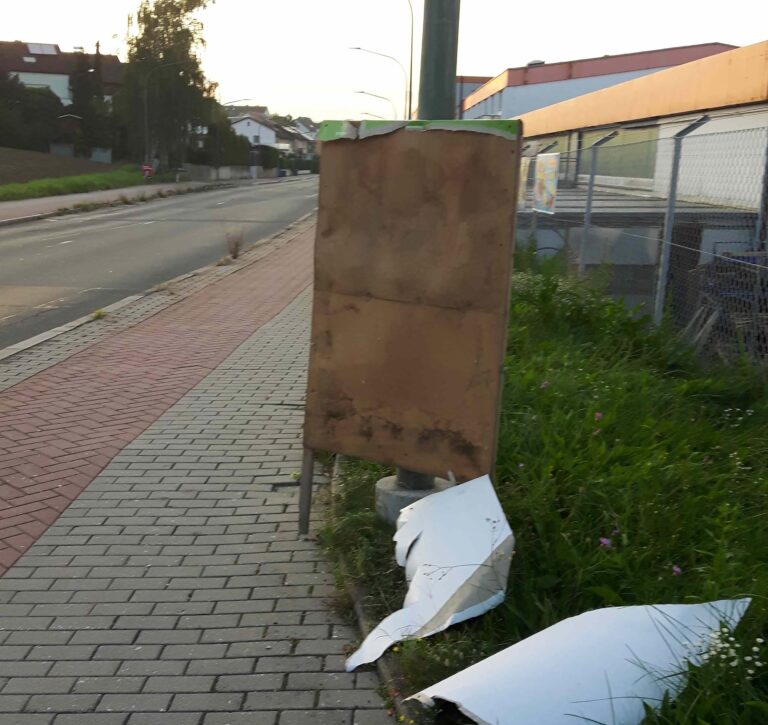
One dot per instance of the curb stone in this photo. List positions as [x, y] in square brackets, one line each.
[389, 672]
[73, 210]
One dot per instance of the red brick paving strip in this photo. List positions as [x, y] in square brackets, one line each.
[60, 428]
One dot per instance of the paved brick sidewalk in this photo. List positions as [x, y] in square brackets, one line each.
[174, 589]
[59, 428]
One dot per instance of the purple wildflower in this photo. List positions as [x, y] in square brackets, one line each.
[676, 570]
[605, 542]
[598, 415]
[544, 385]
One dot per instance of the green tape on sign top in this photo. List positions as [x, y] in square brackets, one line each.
[352, 130]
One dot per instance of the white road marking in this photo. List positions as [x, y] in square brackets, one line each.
[69, 241]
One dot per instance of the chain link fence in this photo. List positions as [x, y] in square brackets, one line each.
[675, 226]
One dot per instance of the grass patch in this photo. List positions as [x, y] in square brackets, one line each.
[609, 430]
[126, 176]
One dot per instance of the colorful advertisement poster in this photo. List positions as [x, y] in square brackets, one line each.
[522, 189]
[545, 188]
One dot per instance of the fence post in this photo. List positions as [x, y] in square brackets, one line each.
[762, 205]
[669, 218]
[590, 196]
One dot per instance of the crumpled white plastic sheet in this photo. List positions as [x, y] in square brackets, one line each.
[456, 547]
[598, 667]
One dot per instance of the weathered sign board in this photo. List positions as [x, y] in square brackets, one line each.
[413, 258]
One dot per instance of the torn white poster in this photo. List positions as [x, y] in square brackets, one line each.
[598, 667]
[456, 546]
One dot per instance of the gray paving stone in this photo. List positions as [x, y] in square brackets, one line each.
[193, 651]
[291, 663]
[321, 681]
[95, 718]
[60, 652]
[38, 685]
[134, 703]
[104, 685]
[128, 652]
[61, 703]
[165, 718]
[298, 632]
[25, 719]
[179, 684]
[372, 717]
[241, 718]
[77, 668]
[233, 666]
[208, 702]
[350, 698]
[321, 647]
[151, 667]
[258, 649]
[169, 636]
[315, 717]
[249, 683]
[280, 700]
[233, 634]
[38, 637]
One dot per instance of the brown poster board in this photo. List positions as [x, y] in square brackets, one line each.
[412, 269]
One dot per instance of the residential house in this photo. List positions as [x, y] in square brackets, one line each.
[258, 130]
[306, 127]
[291, 140]
[43, 65]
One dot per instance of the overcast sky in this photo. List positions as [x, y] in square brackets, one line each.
[293, 55]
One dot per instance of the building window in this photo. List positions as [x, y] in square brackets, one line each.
[256, 138]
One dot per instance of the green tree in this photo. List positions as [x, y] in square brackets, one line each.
[286, 120]
[164, 69]
[88, 103]
[28, 116]
[223, 145]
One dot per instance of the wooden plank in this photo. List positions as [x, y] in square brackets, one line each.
[412, 269]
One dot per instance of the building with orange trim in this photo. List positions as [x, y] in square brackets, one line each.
[520, 90]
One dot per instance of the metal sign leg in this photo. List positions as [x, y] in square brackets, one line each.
[305, 491]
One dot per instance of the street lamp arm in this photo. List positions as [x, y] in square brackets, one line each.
[383, 98]
[402, 68]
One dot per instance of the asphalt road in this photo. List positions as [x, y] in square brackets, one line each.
[56, 270]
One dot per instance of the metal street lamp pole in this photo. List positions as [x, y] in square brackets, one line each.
[383, 98]
[402, 68]
[410, 69]
[146, 100]
[437, 90]
[437, 94]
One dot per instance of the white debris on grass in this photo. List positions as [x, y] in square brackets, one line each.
[598, 667]
[456, 547]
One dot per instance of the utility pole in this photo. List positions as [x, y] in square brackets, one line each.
[439, 50]
[437, 101]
